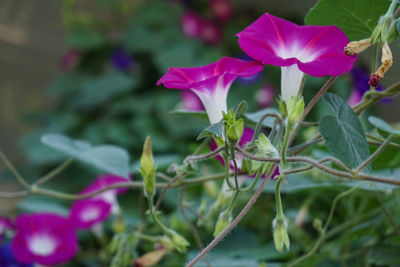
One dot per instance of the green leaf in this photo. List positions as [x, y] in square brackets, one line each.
[357, 18]
[398, 26]
[214, 129]
[240, 109]
[382, 125]
[193, 114]
[256, 116]
[343, 132]
[108, 158]
[97, 90]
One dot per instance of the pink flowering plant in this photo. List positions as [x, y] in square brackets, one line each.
[267, 152]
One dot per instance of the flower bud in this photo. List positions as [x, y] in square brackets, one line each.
[356, 47]
[386, 63]
[234, 128]
[264, 149]
[147, 169]
[178, 241]
[317, 223]
[385, 31]
[224, 219]
[281, 237]
[295, 109]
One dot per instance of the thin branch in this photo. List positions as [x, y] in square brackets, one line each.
[18, 194]
[164, 191]
[323, 168]
[53, 173]
[235, 221]
[374, 155]
[14, 171]
[204, 156]
[395, 227]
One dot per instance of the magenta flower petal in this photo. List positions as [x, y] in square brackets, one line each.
[109, 196]
[315, 50]
[44, 238]
[210, 83]
[190, 101]
[86, 213]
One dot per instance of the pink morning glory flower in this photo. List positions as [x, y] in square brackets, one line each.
[109, 196]
[44, 238]
[210, 32]
[315, 50]
[5, 225]
[210, 83]
[85, 214]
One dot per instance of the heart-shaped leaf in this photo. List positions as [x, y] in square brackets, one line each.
[108, 158]
[343, 132]
[357, 18]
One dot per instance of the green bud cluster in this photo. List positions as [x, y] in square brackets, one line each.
[147, 169]
[178, 242]
[123, 249]
[264, 149]
[233, 128]
[385, 31]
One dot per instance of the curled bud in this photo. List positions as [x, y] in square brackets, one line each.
[224, 219]
[264, 149]
[281, 237]
[147, 169]
[357, 47]
[386, 63]
[295, 109]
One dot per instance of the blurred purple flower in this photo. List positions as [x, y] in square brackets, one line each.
[121, 59]
[265, 96]
[44, 238]
[7, 258]
[109, 196]
[85, 214]
[360, 79]
[191, 24]
[5, 225]
[222, 9]
[210, 32]
[190, 101]
[71, 59]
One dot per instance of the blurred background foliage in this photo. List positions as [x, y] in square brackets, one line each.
[105, 92]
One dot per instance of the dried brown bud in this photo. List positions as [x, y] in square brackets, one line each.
[357, 47]
[374, 80]
[387, 61]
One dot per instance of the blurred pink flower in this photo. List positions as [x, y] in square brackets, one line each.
[222, 9]
[85, 214]
[70, 59]
[190, 101]
[109, 196]
[210, 32]
[354, 98]
[5, 225]
[315, 50]
[265, 96]
[210, 83]
[191, 24]
[44, 238]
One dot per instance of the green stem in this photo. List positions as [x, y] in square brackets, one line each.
[14, 171]
[279, 209]
[53, 173]
[253, 184]
[374, 155]
[288, 131]
[392, 7]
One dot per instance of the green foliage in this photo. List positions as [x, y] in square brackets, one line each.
[357, 18]
[343, 132]
[216, 129]
[382, 125]
[108, 158]
[255, 117]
